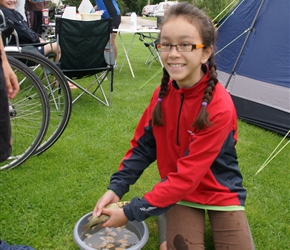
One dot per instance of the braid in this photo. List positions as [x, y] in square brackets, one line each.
[209, 37]
[202, 119]
[157, 112]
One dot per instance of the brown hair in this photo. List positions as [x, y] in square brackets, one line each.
[208, 35]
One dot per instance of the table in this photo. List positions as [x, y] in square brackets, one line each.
[134, 32]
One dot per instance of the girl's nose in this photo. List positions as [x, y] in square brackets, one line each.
[174, 51]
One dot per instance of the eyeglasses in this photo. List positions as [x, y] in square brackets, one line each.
[183, 47]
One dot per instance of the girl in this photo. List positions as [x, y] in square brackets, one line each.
[190, 128]
[27, 35]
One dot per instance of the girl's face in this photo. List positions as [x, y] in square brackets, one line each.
[183, 67]
[9, 4]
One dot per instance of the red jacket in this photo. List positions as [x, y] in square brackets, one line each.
[195, 166]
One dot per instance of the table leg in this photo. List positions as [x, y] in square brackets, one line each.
[127, 54]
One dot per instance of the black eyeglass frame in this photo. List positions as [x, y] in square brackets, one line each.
[179, 49]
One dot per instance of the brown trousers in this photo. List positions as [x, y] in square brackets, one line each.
[185, 228]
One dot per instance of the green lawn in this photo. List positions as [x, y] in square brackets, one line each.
[43, 199]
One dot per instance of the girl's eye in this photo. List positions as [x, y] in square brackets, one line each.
[185, 45]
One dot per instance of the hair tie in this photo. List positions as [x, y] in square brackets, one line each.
[204, 104]
[159, 99]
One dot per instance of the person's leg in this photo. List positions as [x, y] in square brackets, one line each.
[35, 20]
[185, 228]
[30, 18]
[116, 24]
[162, 231]
[5, 129]
[52, 48]
[37, 24]
[231, 230]
[114, 36]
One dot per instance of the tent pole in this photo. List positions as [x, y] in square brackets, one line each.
[245, 42]
[271, 156]
[225, 9]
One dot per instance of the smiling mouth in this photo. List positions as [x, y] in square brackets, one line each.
[175, 65]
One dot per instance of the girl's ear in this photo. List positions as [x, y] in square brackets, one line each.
[206, 54]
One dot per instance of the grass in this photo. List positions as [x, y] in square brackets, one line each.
[43, 199]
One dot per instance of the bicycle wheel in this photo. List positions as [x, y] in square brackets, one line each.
[58, 91]
[29, 115]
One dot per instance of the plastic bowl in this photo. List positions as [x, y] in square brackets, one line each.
[90, 16]
[139, 228]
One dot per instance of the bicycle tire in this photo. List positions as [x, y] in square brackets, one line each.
[29, 115]
[59, 93]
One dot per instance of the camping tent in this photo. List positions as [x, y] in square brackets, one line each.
[253, 61]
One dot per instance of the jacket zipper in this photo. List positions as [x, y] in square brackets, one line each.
[178, 122]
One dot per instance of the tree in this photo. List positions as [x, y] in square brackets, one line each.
[212, 7]
[135, 6]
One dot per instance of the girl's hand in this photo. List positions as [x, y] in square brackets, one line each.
[107, 198]
[117, 217]
[10, 80]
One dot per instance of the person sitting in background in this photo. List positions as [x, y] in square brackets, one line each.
[25, 34]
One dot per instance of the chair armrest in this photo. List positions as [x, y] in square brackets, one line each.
[36, 44]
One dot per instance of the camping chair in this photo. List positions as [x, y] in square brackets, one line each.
[150, 43]
[86, 51]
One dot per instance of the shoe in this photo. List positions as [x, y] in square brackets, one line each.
[5, 246]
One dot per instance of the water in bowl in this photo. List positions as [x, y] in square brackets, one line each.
[111, 238]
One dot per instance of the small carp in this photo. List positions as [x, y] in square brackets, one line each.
[96, 220]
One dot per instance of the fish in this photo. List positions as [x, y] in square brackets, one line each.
[96, 220]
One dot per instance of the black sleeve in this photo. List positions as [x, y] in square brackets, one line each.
[140, 209]
[136, 160]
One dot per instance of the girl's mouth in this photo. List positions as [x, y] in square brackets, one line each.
[175, 65]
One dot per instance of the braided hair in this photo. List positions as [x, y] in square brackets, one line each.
[207, 32]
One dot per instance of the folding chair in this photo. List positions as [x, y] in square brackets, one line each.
[86, 51]
[150, 42]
